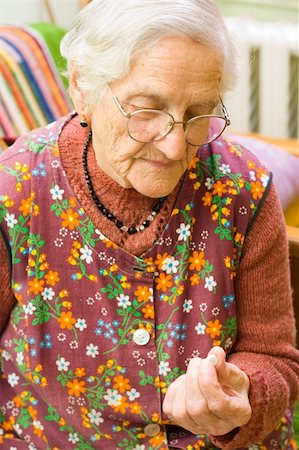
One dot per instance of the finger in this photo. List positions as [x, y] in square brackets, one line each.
[170, 395]
[228, 406]
[197, 405]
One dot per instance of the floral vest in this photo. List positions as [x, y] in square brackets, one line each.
[98, 334]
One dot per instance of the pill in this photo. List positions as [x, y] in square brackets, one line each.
[213, 359]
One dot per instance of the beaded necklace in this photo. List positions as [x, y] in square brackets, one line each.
[105, 211]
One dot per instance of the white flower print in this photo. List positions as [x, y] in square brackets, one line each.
[13, 379]
[136, 354]
[139, 447]
[73, 438]
[62, 364]
[63, 232]
[170, 265]
[81, 401]
[70, 410]
[181, 349]
[90, 301]
[141, 361]
[204, 234]
[15, 412]
[203, 307]
[183, 232]
[123, 300]
[209, 183]
[168, 241]
[7, 356]
[74, 235]
[133, 394]
[200, 328]
[243, 210]
[56, 192]
[202, 246]
[61, 337]
[86, 254]
[264, 179]
[18, 429]
[11, 220]
[195, 354]
[73, 345]
[164, 368]
[95, 417]
[104, 312]
[215, 311]
[29, 309]
[210, 283]
[187, 306]
[48, 293]
[37, 424]
[151, 296]
[151, 354]
[252, 176]
[224, 168]
[113, 397]
[228, 343]
[92, 350]
[81, 324]
[55, 163]
[20, 358]
[58, 242]
[98, 296]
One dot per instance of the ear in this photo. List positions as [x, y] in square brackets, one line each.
[77, 96]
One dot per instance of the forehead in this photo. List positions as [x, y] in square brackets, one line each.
[176, 68]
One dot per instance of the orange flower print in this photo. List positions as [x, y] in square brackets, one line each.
[160, 260]
[163, 282]
[80, 372]
[52, 278]
[148, 311]
[219, 188]
[157, 440]
[121, 384]
[207, 199]
[197, 261]
[213, 328]
[143, 294]
[25, 206]
[66, 320]
[122, 406]
[195, 279]
[76, 387]
[135, 408]
[257, 189]
[70, 219]
[36, 286]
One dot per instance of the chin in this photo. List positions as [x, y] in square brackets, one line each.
[155, 192]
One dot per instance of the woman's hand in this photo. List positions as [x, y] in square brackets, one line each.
[209, 399]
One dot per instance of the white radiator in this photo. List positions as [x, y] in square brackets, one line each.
[266, 97]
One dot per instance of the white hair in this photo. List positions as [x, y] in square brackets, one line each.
[107, 34]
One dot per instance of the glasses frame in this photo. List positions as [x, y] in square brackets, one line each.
[172, 122]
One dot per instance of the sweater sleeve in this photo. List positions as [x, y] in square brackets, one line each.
[7, 298]
[265, 346]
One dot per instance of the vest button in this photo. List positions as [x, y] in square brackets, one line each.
[152, 429]
[141, 336]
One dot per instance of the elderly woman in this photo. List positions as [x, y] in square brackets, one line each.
[149, 305]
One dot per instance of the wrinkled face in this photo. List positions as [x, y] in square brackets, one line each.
[176, 75]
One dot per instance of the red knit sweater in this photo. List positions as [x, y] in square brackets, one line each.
[274, 383]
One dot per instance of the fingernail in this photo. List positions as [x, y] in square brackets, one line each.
[213, 359]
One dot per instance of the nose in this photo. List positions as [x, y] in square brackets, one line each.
[174, 145]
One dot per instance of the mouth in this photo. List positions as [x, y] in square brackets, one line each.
[161, 164]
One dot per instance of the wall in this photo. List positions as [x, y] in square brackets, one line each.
[29, 11]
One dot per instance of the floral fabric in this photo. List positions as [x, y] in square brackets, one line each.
[98, 334]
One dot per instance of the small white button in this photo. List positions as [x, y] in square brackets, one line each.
[141, 336]
[152, 429]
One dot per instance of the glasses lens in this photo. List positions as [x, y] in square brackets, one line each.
[202, 130]
[148, 125]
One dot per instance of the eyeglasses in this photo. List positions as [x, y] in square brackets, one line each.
[151, 125]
